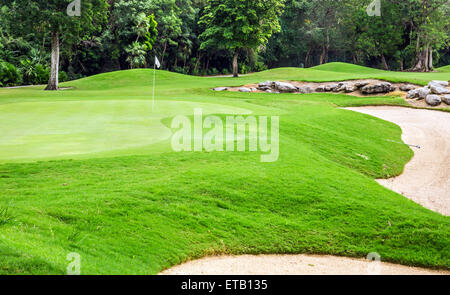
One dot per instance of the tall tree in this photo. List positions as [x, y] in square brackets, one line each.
[58, 23]
[239, 24]
[430, 20]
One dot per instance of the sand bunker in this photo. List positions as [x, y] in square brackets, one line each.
[293, 265]
[426, 179]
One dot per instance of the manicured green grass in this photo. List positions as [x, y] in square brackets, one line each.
[444, 69]
[128, 204]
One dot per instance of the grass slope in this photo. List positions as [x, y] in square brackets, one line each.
[445, 69]
[136, 207]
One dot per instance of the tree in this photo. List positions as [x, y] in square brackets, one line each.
[239, 24]
[431, 23]
[53, 17]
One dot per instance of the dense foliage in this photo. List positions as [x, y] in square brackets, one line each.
[201, 37]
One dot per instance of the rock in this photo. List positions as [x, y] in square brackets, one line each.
[253, 89]
[361, 84]
[350, 88]
[220, 89]
[341, 87]
[422, 93]
[433, 100]
[266, 84]
[305, 89]
[285, 87]
[446, 99]
[412, 94]
[331, 87]
[393, 88]
[436, 89]
[320, 88]
[245, 89]
[383, 87]
[407, 88]
[436, 82]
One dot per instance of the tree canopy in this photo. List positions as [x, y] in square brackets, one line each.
[40, 43]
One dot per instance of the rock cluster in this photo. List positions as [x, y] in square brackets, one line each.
[434, 93]
[346, 87]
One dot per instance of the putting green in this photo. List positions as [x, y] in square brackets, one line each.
[43, 130]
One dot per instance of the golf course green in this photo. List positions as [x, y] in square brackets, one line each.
[90, 169]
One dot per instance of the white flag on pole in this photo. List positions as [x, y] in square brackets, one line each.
[157, 64]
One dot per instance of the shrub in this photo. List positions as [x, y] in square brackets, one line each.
[9, 74]
[244, 69]
[34, 73]
[63, 77]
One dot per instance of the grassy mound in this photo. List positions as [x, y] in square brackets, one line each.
[445, 69]
[341, 67]
[128, 204]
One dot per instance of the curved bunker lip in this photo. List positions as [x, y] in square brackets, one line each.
[425, 179]
[293, 265]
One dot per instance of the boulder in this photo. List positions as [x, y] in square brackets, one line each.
[350, 88]
[446, 99]
[265, 85]
[412, 94]
[422, 93]
[331, 87]
[264, 88]
[407, 88]
[320, 88]
[245, 89]
[361, 84]
[341, 87]
[433, 100]
[285, 87]
[436, 89]
[383, 87]
[220, 89]
[440, 83]
[305, 89]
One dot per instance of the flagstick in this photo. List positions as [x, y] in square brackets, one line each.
[154, 81]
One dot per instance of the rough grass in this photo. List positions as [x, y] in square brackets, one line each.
[141, 209]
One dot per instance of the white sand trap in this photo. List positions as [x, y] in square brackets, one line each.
[293, 265]
[426, 179]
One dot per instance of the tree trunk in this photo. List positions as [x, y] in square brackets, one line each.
[430, 59]
[163, 54]
[54, 69]
[385, 65]
[197, 62]
[307, 57]
[421, 61]
[235, 64]
[324, 55]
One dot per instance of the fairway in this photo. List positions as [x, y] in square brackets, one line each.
[91, 170]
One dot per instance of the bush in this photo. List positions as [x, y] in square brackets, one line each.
[244, 69]
[34, 73]
[9, 75]
[213, 72]
[63, 77]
